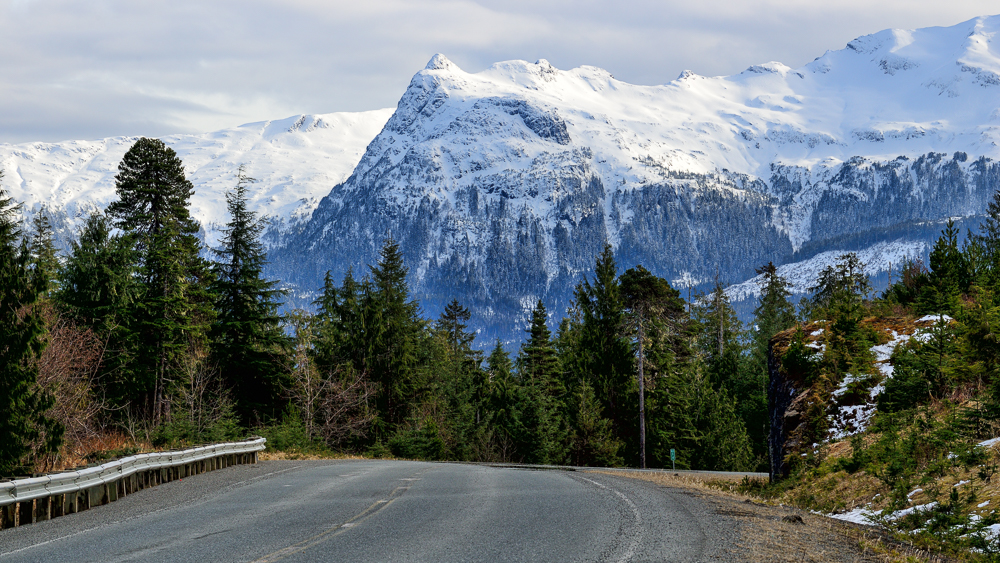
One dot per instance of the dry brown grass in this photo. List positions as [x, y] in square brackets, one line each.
[268, 455]
[766, 534]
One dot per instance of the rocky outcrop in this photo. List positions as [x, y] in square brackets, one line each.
[810, 403]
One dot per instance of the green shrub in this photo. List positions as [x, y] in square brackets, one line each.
[290, 435]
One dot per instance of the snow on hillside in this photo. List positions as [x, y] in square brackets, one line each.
[296, 160]
[882, 257]
[894, 93]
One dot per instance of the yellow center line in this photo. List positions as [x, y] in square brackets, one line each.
[334, 530]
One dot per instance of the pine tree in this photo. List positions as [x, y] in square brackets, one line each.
[602, 357]
[543, 410]
[97, 288]
[96, 285]
[248, 342]
[950, 274]
[988, 240]
[23, 424]
[648, 299]
[392, 328]
[42, 248]
[773, 314]
[174, 309]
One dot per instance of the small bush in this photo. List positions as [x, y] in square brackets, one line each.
[290, 435]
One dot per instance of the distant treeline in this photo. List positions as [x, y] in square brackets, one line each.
[135, 332]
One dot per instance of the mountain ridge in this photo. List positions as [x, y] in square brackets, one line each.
[502, 185]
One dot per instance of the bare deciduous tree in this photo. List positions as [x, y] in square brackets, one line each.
[66, 369]
[334, 403]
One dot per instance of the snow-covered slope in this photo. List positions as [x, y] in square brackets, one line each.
[296, 161]
[885, 95]
[502, 185]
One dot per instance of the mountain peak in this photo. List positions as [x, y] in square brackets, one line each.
[440, 62]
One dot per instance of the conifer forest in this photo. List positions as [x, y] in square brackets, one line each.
[139, 336]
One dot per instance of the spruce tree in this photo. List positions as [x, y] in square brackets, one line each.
[988, 240]
[173, 310]
[719, 336]
[248, 345]
[97, 289]
[392, 328]
[950, 274]
[504, 403]
[543, 411]
[41, 246]
[23, 424]
[603, 354]
[773, 314]
[96, 285]
[649, 299]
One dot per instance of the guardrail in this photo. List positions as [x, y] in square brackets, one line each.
[25, 501]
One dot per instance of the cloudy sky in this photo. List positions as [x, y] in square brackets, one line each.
[85, 69]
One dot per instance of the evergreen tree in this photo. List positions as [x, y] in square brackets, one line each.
[718, 337]
[96, 285]
[248, 342]
[988, 241]
[773, 314]
[843, 285]
[949, 277]
[42, 248]
[392, 329]
[452, 322]
[504, 402]
[341, 324]
[173, 309]
[23, 424]
[602, 356]
[97, 288]
[593, 441]
[543, 409]
[648, 298]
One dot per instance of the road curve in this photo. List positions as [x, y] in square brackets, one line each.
[377, 511]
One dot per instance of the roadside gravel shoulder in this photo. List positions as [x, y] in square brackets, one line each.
[778, 533]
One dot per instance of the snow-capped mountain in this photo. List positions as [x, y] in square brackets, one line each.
[503, 185]
[295, 160]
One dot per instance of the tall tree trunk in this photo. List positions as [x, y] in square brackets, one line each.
[642, 402]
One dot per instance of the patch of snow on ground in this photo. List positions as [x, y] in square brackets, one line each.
[960, 483]
[989, 443]
[857, 516]
[934, 319]
[852, 419]
[907, 511]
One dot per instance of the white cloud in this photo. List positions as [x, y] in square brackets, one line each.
[85, 69]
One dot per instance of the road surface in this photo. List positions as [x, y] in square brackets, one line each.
[380, 511]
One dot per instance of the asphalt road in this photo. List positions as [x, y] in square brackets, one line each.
[379, 511]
